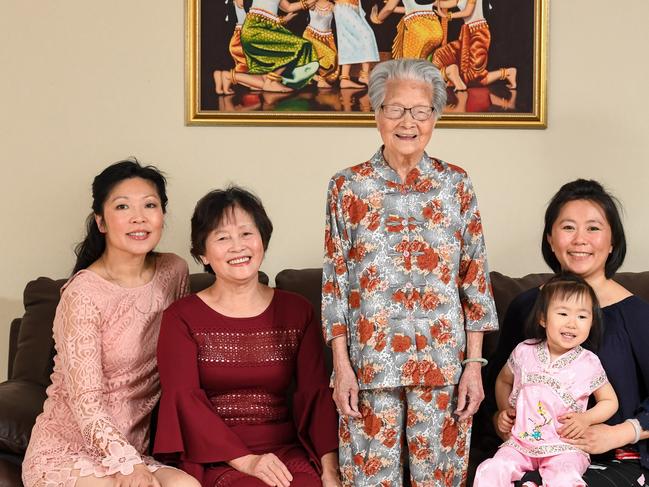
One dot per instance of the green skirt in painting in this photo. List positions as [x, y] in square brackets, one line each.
[269, 46]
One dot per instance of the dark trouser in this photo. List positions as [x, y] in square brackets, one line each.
[626, 473]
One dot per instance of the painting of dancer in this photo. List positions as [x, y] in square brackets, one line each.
[309, 61]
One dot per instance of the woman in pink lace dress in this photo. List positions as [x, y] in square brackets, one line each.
[94, 428]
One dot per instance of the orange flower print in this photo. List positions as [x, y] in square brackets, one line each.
[429, 260]
[401, 343]
[364, 169]
[366, 374]
[471, 272]
[433, 212]
[372, 425]
[433, 376]
[410, 371]
[380, 342]
[340, 265]
[440, 331]
[365, 330]
[357, 252]
[340, 180]
[412, 177]
[407, 299]
[424, 186]
[411, 418]
[393, 224]
[372, 467]
[329, 287]
[465, 198]
[426, 395]
[429, 301]
[338, 329]
[473, 311]
[354, 299]
[475, 227]
[449, 433]
[373, 221]
[443, 400]
[390, 438]
[445, 275]
[355, 207]
[420, 341]
[358, 459]
[370, 281]
[330, 245]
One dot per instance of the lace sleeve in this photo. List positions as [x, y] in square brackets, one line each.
[78, 338]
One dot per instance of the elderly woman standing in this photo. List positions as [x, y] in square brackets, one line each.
[406, 295]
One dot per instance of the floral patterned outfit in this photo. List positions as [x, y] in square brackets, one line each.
[543, 391]
[95, 420]
[405, 276]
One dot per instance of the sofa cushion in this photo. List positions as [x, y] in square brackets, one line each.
[20, 402]
[9, 474]
[35, 350]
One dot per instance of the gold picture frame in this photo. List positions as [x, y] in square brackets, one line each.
[202, 110]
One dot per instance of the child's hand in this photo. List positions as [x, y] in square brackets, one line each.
[506, 419]
[574, 425]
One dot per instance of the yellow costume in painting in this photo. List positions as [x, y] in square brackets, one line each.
[319, 33]
[419, 33]
[236, 49]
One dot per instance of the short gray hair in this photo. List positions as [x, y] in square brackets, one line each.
[411, 69]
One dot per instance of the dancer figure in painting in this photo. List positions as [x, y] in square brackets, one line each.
[464, 61]
[356, 42]
[284, 60]
[319, 33]
[236, 49]
[419, 32]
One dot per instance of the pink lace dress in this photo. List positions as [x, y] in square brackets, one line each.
[95, 420]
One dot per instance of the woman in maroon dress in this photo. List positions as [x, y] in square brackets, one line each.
[227, 357]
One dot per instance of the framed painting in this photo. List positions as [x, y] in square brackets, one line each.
[307, 62]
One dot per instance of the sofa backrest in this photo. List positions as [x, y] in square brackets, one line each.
[34, 347]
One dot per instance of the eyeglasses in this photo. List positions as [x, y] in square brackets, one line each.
[420, 113]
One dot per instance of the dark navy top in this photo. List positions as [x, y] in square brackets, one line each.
[624, 353]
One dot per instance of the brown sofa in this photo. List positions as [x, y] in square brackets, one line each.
[31, 351]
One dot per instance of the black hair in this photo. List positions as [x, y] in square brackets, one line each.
[565, 286]
[94, 243]
[589, 190]
[211, 209]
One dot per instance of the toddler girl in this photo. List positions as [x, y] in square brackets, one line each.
[542, 392]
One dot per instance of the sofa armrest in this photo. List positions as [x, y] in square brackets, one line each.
[13, 344]
[20, 402]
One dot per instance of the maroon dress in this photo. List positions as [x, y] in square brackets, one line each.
[225, 385]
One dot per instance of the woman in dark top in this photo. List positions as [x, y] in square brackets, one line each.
[583, 234]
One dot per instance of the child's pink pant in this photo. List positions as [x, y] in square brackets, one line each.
[509, 465]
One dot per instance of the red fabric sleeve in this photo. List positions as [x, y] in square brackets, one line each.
[314, 411]
[189, 431]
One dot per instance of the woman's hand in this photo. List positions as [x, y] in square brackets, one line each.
[267, 468]
[140, 477]
[470, 393]
[600, 438]
[505, 422]
[346, 391]
[329, 475]
[574, 425]
[330, 479]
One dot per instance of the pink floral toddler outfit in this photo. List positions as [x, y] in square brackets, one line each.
[543, 391]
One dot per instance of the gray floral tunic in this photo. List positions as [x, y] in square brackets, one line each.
[405, 271]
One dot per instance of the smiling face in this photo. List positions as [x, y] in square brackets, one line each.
[132, 217]
[567, 323]
[405, 139]
[234, 249]
[581, 238]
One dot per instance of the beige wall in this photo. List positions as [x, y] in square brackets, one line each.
[85, 83]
